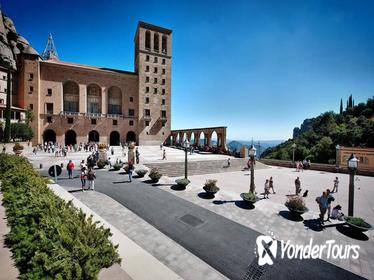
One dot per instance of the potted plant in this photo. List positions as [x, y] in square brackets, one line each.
[296, 205]
[155, 175]
[141, 172]
[249, 197]
[102, 146]
[182, 183]
[210, 187]
[357, 223]
[17, 148]
[117, 166]
[101, 163]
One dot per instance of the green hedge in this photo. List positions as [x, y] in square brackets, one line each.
[49, 238]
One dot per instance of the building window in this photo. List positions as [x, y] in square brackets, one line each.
[155, 70]
[163, 71]
[147, 79]
[115, 101]
[93, 121]
[148, 39]
[163, 61]
[155, 90]
[115, 122]
[163, 114]
[163, 91]
[49, 92]
[1, 101]
[49, 119]
[131, 99]
[31, 106]
[155, 60]
[147, 124]
[147, 68]
[4, 90]
[155, 42]
[4, 78]
[163, 124]
[164, 47]
[146, 100]
[131, 123]
[131, 112]
[70, 120]
[163, 101]
[49, 108]
[163, 81]
[147, 58]
[31, 76]
[147, 89]
[147, 112]
[155, 81]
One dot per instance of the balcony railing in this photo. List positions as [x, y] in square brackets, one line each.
[70, 114]
[147, 117]
[163, 118]
[114, 116]
[94, 115]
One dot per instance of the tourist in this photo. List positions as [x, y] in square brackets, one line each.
[330, 198]
[297, 186]
[83, 177]
[112, 151]
[336, 213]
[271, 184]
[91, 176]
[323, 204]
[336, 184]
[266, 193]
[191, 149]
[228, 162]
[4, 149]
[34, 151]
[161, 146]
[70, 168]
[130, 169]
[82, 164]
[164, 155]
[137, 155]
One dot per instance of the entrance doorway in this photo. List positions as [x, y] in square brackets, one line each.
[114, 138]
[93, 136]
[49, 136]
[131, 136]
[70, 137]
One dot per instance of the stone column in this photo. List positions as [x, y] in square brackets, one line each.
[82, 99]
[104, 102]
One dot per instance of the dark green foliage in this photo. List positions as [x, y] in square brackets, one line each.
[357, 222]
[21, 131]
[341, 106]
[353, 127]
[49, 238]
[182, 182]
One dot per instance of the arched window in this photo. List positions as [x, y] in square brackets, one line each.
[71, 96]
[114, 101]
[148, 39]
[164, 44]
[93, 99]
[155, 42]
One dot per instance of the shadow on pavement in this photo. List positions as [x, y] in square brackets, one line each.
[239, 203]
[348, 231]
[288, 216]
[73, 191]
[177, 188]
[313, 224]
[205, 195]
[121, 182]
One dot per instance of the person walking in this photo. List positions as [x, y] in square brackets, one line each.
[323, 204]
[297, 186]
[266, 193]
[70, 168]
[91, 176]
[228, 162]
[330, 199]
[83, 177]
[131, 170]
[164, 155]
[112, 151]
[336, 184]
[137, 155]
[271, 184]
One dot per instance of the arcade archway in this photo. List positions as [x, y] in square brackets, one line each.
[70, 137]
[114, 138]
[131, 136]
[93, 136]
[49, 135]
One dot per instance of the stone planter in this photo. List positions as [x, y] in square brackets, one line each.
[18, 152]
[249, 199]
[297, 212]
[357, 227]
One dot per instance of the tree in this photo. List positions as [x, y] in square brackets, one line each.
[341, 106]
[21, 131]
[29, 116]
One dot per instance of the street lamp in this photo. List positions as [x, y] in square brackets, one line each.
[186, 145]
[252, 153]
[352, 166]
[337, 147]
[293, 152]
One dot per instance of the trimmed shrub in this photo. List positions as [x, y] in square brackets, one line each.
[210, 186]
[101, 163]
[249, 196]
[49, 238]
[182, 182]
[357, 222]
[21, 131]
[155, 174]
[141, 172]
[296, 203]
[117, 166]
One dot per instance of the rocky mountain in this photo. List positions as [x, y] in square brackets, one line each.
[11, 43]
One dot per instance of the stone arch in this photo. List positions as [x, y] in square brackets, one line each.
[156, 42]
[93, 136]
[49, 135]
[114, 138]
[131, 136]
[70, 95]
[147, 39]
[70, 137]
[178, 139]
[164, 47]
[192, 138]
[184, 137]
[214, 139]
[93, 98]
[114, 100]
[202, 139]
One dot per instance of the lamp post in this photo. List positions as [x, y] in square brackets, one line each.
[293, 153]
[186, 145]
[252, 153]
[337, 147]
[352, 166]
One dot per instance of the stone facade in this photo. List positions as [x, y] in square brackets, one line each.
[75, 103]
[364, 155]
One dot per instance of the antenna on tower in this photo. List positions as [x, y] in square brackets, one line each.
[50, 52]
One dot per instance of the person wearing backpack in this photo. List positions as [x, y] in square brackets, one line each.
[91, 176]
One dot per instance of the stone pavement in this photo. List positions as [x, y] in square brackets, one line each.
[8, 270]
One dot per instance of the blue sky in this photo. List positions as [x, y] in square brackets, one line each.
[258, 67]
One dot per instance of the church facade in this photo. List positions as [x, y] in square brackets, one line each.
[75, 103]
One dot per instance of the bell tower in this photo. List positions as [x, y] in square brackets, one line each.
[153, 66]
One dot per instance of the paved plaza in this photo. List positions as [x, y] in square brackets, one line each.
[216, 237]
